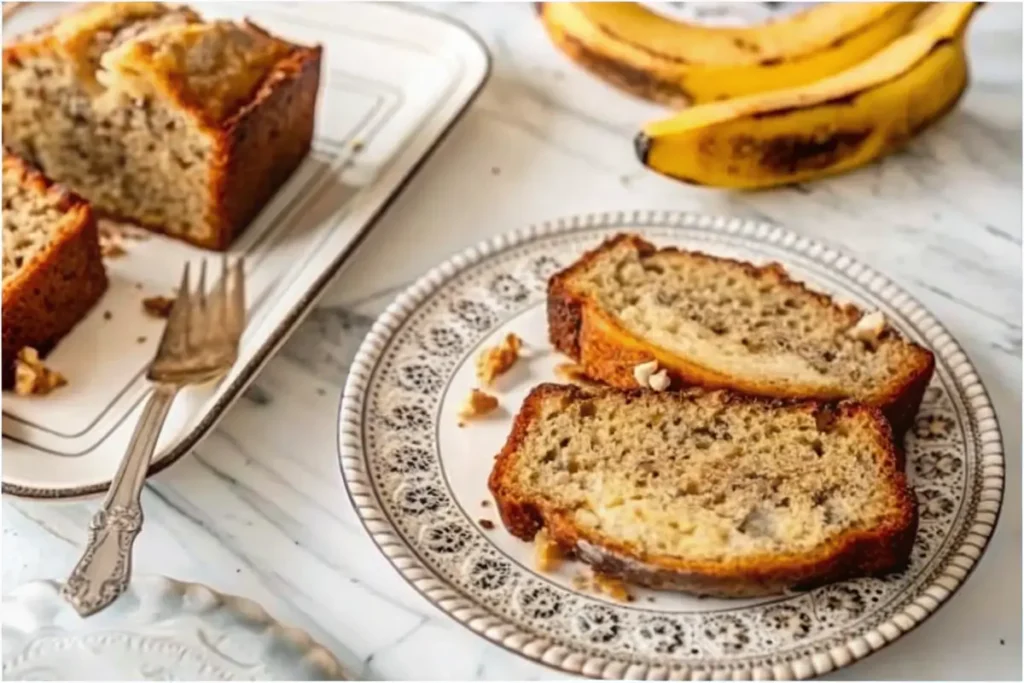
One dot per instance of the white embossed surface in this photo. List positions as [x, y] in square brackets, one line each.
[159, 630]
[420, 482]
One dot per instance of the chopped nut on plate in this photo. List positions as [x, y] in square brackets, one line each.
[602, 584]
[113, 235]
[547, 554]
[868, 328]
[486, 524]
[32, 377]
[614, 588]
[496, 360]
[477, 404]
[158, 306]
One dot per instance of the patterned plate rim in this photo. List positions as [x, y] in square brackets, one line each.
[478, 618]
[134, 611]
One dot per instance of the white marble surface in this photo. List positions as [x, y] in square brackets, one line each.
[259, 508]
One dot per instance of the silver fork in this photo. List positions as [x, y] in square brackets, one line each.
[199, 344]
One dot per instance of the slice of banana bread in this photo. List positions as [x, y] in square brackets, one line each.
[719, 323]
[52, 269]
[184, 126]
[707, 492]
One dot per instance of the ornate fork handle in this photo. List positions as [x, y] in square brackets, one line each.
[105, 567]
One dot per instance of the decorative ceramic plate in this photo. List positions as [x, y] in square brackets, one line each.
[393, 81]
[419, 481]
[159, 630]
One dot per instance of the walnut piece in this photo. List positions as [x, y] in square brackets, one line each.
[547, 555]
[496, 360]
[642, 373]
[868, 328]
[477, 404]
[31, 377]
[158, 306]
[659, 381]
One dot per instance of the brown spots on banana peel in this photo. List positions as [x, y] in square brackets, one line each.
[672, 59]
[746, 45]
[637, 81]
[790, 153]
[848, 99]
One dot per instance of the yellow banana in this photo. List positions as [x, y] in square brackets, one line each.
[676, 63]
[830, 126]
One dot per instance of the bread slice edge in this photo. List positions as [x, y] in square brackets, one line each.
[854, 553]
[579, 328]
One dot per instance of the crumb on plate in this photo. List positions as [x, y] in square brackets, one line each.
[111, 247]
[486, 524]
[547, 555]
[614, 588]
[158, 306]
[495, 361]
[32, 377]
[113, 235]
[477, 404]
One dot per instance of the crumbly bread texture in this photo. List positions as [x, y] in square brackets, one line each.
[719, 323]
[184, 126]
[707, 492]
[52, 268]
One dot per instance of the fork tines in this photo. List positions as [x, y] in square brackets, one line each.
[200, 318]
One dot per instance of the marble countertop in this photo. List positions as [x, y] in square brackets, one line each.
[259, 508]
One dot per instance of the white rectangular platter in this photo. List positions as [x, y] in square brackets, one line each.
[393, 81]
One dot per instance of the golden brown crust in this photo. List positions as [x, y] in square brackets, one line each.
[855, 553]
[211, 69]
[53, 291]
[257, 144]
[607, 352]
[261, 146]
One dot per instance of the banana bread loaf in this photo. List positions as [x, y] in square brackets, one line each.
[156, 116]
[52, 269]
[707, 492]
[720, 323]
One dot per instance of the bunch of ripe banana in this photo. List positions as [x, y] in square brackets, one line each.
[825, 90]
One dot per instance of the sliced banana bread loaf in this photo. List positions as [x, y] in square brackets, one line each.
[707, 492]
[52, 269]
[153, 115]
[720, 323]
